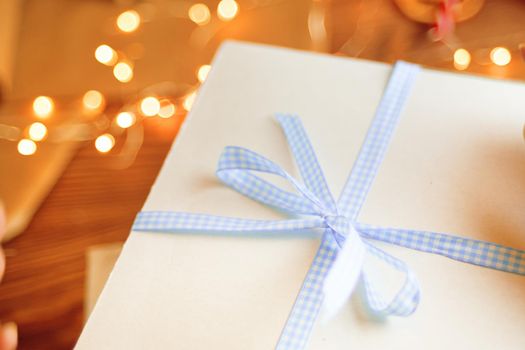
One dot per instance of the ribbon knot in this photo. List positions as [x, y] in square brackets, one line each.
[340, 226]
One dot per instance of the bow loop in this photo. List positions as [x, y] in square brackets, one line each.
[306, 160]
[237, 168]
[406, 298]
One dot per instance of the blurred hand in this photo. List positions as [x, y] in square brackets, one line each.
[8, 331]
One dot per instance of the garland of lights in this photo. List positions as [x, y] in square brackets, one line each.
[147, 105]
[93, 102]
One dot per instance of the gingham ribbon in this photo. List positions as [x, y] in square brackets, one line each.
[339, 262]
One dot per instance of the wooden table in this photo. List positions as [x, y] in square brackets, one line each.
[43, 288]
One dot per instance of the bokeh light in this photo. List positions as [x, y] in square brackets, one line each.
[106, 55]
[188, 101]
[93, 100]
[500, 56]
[125, 119]
[123, 72]
[43, 106]
[202, 72]
[167, 109]
[128, 21]
[200, 14]
[104, 143]
[26, 147]
[227, 9]
[150, 106]
[461, 59]
[37, 131]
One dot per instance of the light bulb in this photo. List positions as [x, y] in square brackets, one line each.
[93, 100]
[227, 9]
[104, 143]
[500, 56]
[128, 21]
[26, 147]
[37, 131]
[461, 59]
[150, 106]
[106, 55]
[202, 72]
[123, 72]
[43, 106]
[200, 14]
[167, 109]
[188, 101]
[125, 119]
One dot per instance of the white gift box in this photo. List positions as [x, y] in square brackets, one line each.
[456, 164]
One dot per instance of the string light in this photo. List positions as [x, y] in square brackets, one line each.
[26, 147]
[500, 56]
[150, 106]
[227, 9]
[188, 101]
[37, 131]
[43, 106]
[104, 143]
[461, 59]
[93, 100]
[106, 55]
[202, 72]
[167, 109]
[125, 119]
[200, 14]
[128, 21]
[123, 72]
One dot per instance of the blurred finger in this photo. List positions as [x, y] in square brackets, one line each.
[2, 221]
[2, 263]
[8, 336]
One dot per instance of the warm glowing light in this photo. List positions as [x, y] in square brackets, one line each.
[461, 59]
[500, 56]
[203, 71]
[93, 100]
[200, 14]
[43, 106]
[227, 9]
[128, 21]
[188, 101]
[123, 72]
[167, 109]
[125, 119]
[106, 55]
[104, 143]
[26, 147]
[37, 131]
[150, 106]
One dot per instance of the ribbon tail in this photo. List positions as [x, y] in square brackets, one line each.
[405, 300]
[165, 221]
[344, 274]
[476, 252]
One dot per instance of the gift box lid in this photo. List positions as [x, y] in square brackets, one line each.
[455, 164]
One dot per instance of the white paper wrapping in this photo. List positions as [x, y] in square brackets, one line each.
[456, 164]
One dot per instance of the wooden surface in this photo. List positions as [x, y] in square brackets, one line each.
[43, 288]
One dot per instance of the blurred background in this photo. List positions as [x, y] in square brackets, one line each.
[92, 94]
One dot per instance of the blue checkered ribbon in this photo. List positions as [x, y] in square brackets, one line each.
[339, 263]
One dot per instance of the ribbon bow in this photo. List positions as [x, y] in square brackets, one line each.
[339, 262]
